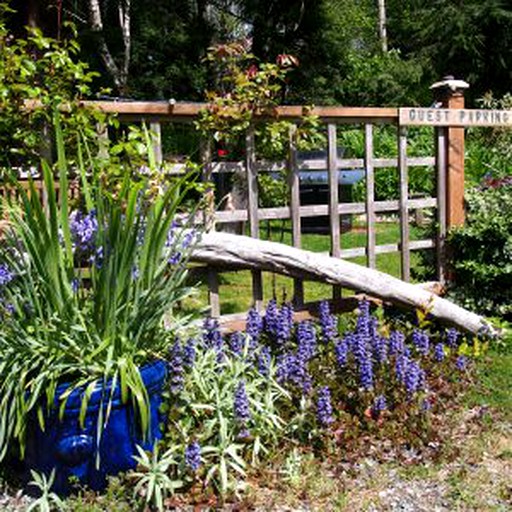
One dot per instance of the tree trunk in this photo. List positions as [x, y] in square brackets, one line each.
[382, 26]
[232, 251]
[119, 74]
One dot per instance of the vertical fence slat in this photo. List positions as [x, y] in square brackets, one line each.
[252, 210]
[405, 254]
[441, 202]
[294, 184]
[156, 141]
[370, 197]
[212, 275]
[334, 217]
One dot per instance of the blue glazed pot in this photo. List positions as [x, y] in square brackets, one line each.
[72, 451]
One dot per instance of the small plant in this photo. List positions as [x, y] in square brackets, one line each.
[48, 500]
[155, 476]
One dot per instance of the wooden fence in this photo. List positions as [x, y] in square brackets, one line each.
[447, 162]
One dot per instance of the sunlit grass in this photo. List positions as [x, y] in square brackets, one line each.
[235, 288]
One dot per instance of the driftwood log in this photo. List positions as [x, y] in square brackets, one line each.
[224, 250]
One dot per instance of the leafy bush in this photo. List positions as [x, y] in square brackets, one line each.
[481, 251]
[37, 75]
[489, 150]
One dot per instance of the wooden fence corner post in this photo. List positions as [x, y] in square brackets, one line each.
[450, 93]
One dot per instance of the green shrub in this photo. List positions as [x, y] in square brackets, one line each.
[481, 251]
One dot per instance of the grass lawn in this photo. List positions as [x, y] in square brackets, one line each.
[236, 288]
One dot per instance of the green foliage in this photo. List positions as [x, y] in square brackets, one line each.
[481, 251]
[387, 180]
[96, 312]
[47, 500]
[489, 150]
[204, 411]
[37, 75]
[152, 476]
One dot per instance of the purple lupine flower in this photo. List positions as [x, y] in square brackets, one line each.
[83, 230]
[193, 456]
[461, 362]
[364, 320]
[241, 408]
[176, 367]
[439, 354]
[284, 324]
[380, 349]
[75, 284]
[452, 336]
[341, 352]
[189, 353]
[292, 369]
[6, 275]
[264, 359]
[324, 412]
[306, 341]
[271, 319]
[212, 337]
[421, 341]
[396, 343]
[366, 373]
[237, 343]
[413, 377]
[379, 404]
[327, 322]
[283, 368]
[254, 325]
[135, 273]
[401, 363]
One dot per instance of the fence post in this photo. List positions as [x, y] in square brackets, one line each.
[450, 93]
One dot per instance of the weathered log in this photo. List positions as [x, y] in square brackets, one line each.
[224, 250]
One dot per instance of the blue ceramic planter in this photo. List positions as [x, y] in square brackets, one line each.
[72, 451]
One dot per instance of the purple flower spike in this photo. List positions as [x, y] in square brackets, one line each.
[421, 341]
[452, 336]
[341, 352]
[324, 412]
[83, 230]
[380, 404]
[396, 343]
[189, 353]
[366, 374]
[237, 343]
[271, 320]
[439, 354]
[241, 404]
[306, 340]
[461, 363]
[413, 378]
[6, 275]
[264, 359]
[327, 322]
[193, 456]
[176, 367]
[254, 324]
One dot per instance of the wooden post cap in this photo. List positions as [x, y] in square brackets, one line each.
[449, 84]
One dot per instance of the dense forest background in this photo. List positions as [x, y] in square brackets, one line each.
[351, 52]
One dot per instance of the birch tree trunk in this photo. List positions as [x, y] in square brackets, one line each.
[119, 72]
